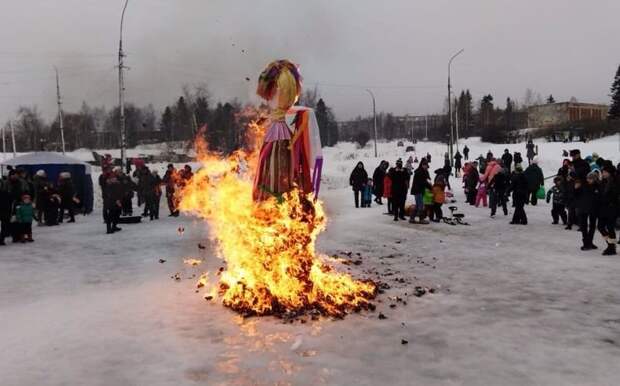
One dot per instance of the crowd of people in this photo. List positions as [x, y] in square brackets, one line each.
[25, 199]
[585, 192]
[118, 190]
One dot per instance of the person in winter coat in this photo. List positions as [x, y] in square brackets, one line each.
[517, 158]
[128, 187]
[6, 207]
[520, 189]
[439, 197]
[40, 182]
[565, 169]
[409, 165]
[458, 164]
[535, 179]
[489, 157]
[569, 199]
[482, 163]
[580, 166]
[507, 160]
[531, 153]
[497, 188]
[67, 197]
[387, 191]
[24, 214]
[421, 182]
[377, 177]
[170, 181]
[113, 203]
[481, 196]
[152, 195]
[471, 179]
[609, 205]
[358, 180]
[466, 153]
[399, 178]
[142, 175]
[367, 194]
[52, 201]
[558, 210]
[587, 200]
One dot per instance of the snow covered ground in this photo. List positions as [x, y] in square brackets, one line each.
[514, 305]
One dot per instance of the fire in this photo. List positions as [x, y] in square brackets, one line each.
[272, 267]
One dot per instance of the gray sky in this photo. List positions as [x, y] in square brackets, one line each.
[400, 48]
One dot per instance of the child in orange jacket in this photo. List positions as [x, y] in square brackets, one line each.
[439, 198]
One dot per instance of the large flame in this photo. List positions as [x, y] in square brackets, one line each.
[269, 247]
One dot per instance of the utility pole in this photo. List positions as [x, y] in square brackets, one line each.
[451, 140]
[121, 93]
[59, 100]
[374, 114]
[456, 118]
[13, 139]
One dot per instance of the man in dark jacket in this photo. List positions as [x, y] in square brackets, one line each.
[421, 182]
[6, 208]
[587, 200]
[466, 153]
[400, 182]
[357, 180]
[507, 160]
[377, 179]
[609, 204]
[471, 184]
[67, 196]
[113, 203]
[519, 188]
[458, 164]
[535, 179]
[517, 158]
[497, 192]
[580, 166]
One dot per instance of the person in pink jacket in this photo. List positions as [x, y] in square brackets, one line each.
[481, 196]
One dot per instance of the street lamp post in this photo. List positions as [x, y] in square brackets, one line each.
[121, 93]
[374, 114]
[451, 141]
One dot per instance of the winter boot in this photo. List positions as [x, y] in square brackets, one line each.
[611, 249]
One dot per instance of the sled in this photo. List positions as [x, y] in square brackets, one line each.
[130, 219]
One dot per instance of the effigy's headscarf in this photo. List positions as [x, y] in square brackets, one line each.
[280, 79]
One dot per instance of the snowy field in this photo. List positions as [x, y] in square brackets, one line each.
[513, 305]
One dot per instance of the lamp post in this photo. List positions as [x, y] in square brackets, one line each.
[121, 93]
[450, 144]
[374, 114]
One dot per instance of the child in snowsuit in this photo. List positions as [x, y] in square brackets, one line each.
[481, 196]
[24, 214]
[558, 210]
[367, 194]
[439, 197]
[428, 203]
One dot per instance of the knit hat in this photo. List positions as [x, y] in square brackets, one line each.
[41, 173]
[535, 161]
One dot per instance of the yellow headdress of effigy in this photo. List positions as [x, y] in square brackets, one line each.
[280, 79]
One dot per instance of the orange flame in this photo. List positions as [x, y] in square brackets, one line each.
[269, 247]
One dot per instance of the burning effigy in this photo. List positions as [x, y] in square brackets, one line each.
[263, 211]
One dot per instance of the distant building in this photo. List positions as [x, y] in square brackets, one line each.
[555, 114]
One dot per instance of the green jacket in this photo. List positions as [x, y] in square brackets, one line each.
[24, 213]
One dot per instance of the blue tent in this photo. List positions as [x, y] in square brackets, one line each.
[55, 163]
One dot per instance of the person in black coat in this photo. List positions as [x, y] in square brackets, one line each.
[113, 202]
[6, 209]
[569, 198]
[535, 179]
[507, 160]
[580, 166]
[609, 205]
[471, 184]
[519, 188]
[587, 201]
[565, 169]
[421, 182]
[377, 178]
[497, 192]
[67, 196]
[357, 180]
[400, 183]
[517, 158]
[458, 164]
[466, 153]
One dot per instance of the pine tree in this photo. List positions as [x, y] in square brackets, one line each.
[614, 110]
[550, 99]
[167, 124]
